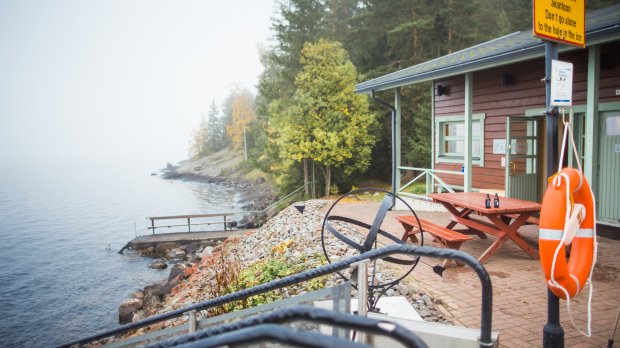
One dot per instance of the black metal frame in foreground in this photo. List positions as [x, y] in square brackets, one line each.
[306, 313]
[272, 332]
[485, 280]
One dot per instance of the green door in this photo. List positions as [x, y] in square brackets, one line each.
[522, 158]
[609, 168]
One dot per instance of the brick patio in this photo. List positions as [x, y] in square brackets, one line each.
[519, 291]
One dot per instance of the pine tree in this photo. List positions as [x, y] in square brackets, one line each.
[216, 136]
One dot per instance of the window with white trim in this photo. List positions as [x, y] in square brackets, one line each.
[450, 139]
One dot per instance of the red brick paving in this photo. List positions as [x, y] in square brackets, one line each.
[519, 290]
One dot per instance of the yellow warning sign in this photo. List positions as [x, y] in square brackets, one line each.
[561, 20]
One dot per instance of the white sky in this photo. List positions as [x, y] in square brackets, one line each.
[127, 79]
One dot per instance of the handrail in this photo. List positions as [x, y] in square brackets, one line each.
[280, 200]
[483, 275]
[430, 175]
[261, 212]
[225, 222]
[274, 333]
[188, 216]
[441, 171]
[189, 220]
[307, 313]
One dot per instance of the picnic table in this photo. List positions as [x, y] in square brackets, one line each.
[505, 221]
[467, 208]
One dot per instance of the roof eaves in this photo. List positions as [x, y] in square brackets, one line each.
[378, 80]
[529, 52]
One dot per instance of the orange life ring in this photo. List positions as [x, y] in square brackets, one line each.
[566, 277]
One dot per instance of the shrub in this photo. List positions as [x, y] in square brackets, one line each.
[229, 277]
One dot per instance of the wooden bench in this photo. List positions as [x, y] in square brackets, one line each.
[532, 220]
[446, 237]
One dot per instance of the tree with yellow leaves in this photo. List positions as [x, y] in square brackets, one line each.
[241, 117]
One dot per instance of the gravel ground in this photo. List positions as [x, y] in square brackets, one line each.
[290, 234]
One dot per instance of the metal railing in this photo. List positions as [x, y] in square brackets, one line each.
[189, 221]
[261, 213]
[226, 216]
[431, 180]
[339, 294]
[243, 331]
[485, 280]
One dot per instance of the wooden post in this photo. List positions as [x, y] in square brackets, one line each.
[189, 227]
[191, 323]
[397, 139]
[429, 182]
[362, 294]
[224, 222]
[245, 145]
[434, 137]
[153, 225]
[469, 96]
[592, 121]
[313, 182]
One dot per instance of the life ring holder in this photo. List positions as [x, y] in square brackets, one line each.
[568, 217]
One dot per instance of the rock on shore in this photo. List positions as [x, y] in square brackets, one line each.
[225, 168]
[289, 234]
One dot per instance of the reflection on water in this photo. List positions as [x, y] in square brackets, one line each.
[58, 280]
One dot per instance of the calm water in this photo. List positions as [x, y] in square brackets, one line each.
[58, 281]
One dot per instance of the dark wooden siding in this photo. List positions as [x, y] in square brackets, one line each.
[610, 73]
[525, 92]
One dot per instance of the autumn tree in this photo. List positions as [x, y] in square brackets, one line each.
[242, 114]
[326, 121]
[197, 142]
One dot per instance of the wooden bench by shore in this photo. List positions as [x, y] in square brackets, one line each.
[446, 237]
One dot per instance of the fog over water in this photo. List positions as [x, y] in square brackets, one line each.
[94, 97]
[84, 80]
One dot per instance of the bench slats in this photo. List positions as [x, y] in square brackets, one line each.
[446, 237]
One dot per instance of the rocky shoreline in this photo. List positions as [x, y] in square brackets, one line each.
[225, 168]
[290, 238]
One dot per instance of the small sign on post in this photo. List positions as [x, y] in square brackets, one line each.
[561, 83]
[561, 21]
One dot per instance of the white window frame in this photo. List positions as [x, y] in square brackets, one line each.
[441, 156]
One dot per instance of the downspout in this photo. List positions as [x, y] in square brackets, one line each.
[391, 107]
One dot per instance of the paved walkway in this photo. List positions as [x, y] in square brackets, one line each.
[519, 290]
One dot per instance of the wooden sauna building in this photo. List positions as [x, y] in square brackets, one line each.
[496, 88]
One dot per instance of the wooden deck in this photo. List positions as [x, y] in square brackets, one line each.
[151, 240]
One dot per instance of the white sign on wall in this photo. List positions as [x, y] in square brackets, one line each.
[561, 83]
[499, 147]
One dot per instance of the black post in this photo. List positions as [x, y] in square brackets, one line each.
[553, 333]
[393, 120]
